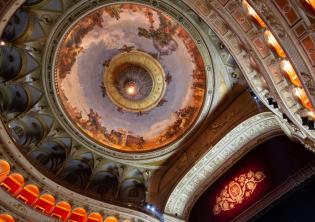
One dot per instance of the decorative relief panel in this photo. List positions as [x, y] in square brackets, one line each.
[237, 190]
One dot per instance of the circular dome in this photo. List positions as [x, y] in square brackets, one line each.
[127, 76]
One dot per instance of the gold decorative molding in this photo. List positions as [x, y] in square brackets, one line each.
[145, 61]
[237, 190]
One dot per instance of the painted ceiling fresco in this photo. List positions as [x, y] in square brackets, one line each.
[85, 53]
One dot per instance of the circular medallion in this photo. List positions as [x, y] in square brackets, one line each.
[127, 77]
[135, 81]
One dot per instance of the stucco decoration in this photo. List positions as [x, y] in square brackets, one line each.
[216, 160]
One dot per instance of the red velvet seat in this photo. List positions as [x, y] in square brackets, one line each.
[95, 217]
[13, 183]
[29, 194]
[45, 203]
[78, 215]
[61, 211]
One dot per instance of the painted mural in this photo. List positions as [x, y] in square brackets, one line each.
[84, 55]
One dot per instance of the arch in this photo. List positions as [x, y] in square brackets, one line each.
[87, 158]
[227, 151]
[13, 183]
[13, 99]
[30, 129]
[110, 167]
[6, 218]
[95, 217]
[29, 194]
[11, 63]
[45, 203]
[78, 215]
[62, 210]
[4, 169]
[132, 190]
[104, 184]
[135, 173]
[76, 172]
[17, 26]
[50, 154]
[111, 219]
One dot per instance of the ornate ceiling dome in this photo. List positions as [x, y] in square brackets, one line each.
[126, 76]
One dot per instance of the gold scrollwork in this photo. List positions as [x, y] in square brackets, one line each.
[145, 61]
[237, 190]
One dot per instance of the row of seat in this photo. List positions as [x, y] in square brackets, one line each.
[14, 183]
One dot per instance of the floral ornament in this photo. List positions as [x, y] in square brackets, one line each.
[237, 190]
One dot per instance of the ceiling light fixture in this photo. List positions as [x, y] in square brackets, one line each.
[131, 88]
[287, 68]
[254, 14]
[311, 3]
[274, 43]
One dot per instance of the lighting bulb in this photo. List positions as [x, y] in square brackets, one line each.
[253, 14]
[2, 43]
[287, 68]
[311, 3]
[301, 94]
[274, 43]
[131, 88]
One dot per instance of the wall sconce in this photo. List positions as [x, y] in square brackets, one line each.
[301, 94]
[287, 68]
[311, 3]
[271, 40]
[253, 14]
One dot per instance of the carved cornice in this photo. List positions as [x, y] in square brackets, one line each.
[218, 159]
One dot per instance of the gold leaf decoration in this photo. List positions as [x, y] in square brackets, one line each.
[237, 190]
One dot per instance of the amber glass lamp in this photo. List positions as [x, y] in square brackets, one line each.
[301, 94]
[289, 71]
[253, 14]
[271, 40]
[311, 3]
